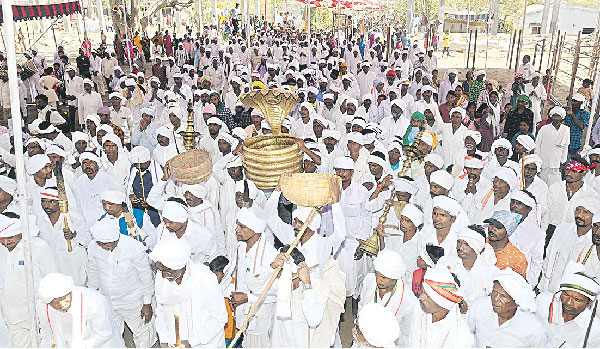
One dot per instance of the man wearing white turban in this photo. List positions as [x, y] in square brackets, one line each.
[453, 133]
[39, 169]
[567, 235]
[191, 291]
[147, 170]
[89, 185]
[13, 299]
[386, 286]
[438, 322]
[567, 315]
[536, 186]
[448, 218]
[120, 269]
[114, 159]
[499, 156]
[74, 317]
[470, 185]
[586, 251]
[552, 145]
[52, 229]
[528, 237]
[506, 318]
[474, 265]
[176, 224]
[253, 256]
[376, 327]
[497, 198]
[8, 188]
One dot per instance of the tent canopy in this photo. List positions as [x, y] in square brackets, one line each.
[31, 12]
[346, 4]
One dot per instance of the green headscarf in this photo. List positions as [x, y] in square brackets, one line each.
[221, 106]
[526, 99]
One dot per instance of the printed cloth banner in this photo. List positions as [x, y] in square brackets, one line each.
[27, 13]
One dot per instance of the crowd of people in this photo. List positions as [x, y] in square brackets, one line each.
[491, 201]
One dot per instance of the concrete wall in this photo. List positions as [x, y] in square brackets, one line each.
[571, 19]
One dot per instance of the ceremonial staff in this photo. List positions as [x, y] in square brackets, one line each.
[63, 203]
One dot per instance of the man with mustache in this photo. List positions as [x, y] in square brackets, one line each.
[566, 236]
[88, 186]
[567, 315]
[120, 269]
[469, 186]
[74, 317]
[552, 145]
[563, 194]
[501, 225]
[593, 175]
[536, 186]
[14, 299]
[588, 254]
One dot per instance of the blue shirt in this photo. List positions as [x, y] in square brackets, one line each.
[576, 132]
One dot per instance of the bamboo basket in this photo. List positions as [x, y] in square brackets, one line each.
[308, 189]
[191, 167]
[265, 158]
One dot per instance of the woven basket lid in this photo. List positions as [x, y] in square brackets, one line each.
[273, 104]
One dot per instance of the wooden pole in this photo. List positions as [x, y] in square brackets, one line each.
[469, 48]
[519, 44]
[474, 50]
[272, 280]
[575, 64]
[550, 50]
[534, 53]
[557, 65]
[542, 54]
[512, 47]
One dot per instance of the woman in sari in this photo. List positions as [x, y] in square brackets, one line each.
[223, 113]
[461, 99]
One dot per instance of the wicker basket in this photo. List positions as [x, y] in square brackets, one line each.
[273, 104]
[308, 189]
[265, 158]
[191, 167]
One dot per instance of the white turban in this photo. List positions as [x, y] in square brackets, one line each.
[9, 226]
[235, 162]
[356, 138]
[139, 154]
[56, 150]
[249, 218]
[171, 252]
[427, 138]
[359, 122]
[558, 111]
[573, 279]
[508, 175]
[475, 240]
[447, 204]
[332, 134]
[113, 138]
[442, 178]
[517, 287]
[390, 264]
[164, 131]
[175, 212]
[344, 163]
[252, 189]
[36, 163]
[435, 159]
[473, 134]
[522, 197]
[115, 197]
[527, 142]
[302, 212]
[8, 185]
[229, 139]
[473, 162]
[534, 159]
[54, 285]
[502, 143]
[441, 287]
[198, 190]
[459, 110]
[106, 230]
[378, 325]
[405, 186]
[88, 155]
[596, 218]
[377, 160]
[413, 213]
[590, 203]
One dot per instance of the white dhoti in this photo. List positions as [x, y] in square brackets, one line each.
[74, 263]
[550, 175]
[19, 335]
[144, 334]
[349, 266]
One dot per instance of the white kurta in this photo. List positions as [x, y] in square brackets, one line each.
[530, 239]
[199, 302]
[570, 334]
[14, 300]
[450, 332]
[524, 330]
[557, 254]
[87, 323]
[87, 193]
[198, 238]
[401, 302]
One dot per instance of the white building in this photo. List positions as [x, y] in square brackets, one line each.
[571, 19]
